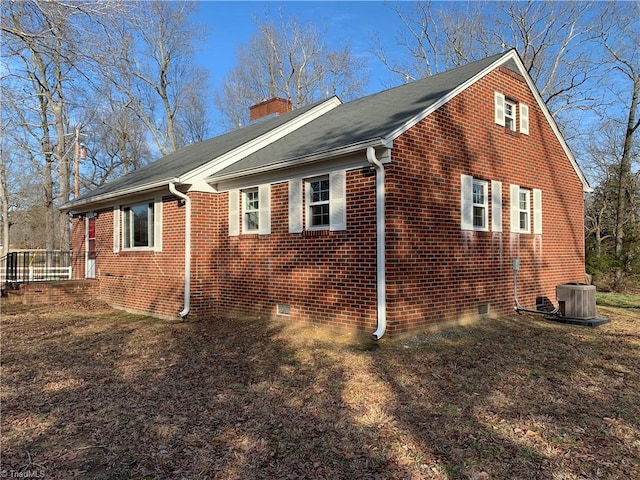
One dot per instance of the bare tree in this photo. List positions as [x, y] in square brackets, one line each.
[35, 34]
[58, 55]
[4, 195]
[148, 57]
[553, 40]
[436, 39]
[117, 142]
[288, 60]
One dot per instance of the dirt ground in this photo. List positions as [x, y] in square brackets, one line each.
[92, 393]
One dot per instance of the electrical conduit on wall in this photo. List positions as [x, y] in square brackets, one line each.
[187, 248]
[380, 245]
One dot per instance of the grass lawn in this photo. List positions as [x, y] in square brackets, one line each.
[92, 393]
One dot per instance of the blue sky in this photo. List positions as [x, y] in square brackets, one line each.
[231, 24]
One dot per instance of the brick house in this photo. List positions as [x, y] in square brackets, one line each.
[385, 214]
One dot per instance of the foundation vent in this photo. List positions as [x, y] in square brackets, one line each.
[284, 309]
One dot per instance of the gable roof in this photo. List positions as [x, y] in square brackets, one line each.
[374, 120]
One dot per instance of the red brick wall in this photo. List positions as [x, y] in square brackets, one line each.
[436, 271]
[325, 277]
[206, 231]
[144, 281]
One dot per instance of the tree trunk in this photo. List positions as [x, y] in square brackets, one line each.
[4, 209]
[624, 186]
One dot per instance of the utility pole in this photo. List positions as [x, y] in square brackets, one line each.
[81, 154]
[76, 190]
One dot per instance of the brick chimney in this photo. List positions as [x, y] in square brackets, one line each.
[272, 107]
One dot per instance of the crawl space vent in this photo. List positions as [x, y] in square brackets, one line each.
[284, 309]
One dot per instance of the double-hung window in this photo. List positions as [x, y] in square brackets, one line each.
[251, 203]
[474, 204]
[524, 219]
[510, 115]
[524, 210]
[138, 225]
[318, 202]
[480, 205]
[251, 208]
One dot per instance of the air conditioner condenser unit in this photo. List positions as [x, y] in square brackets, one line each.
[577, 305]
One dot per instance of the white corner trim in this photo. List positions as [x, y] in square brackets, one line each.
[260, 142]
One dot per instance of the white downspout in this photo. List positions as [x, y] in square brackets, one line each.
[380, 245]
[187, 248]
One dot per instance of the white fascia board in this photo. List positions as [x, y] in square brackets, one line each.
[315, 157]
[256, 144]
[547, 114]
[110, 196]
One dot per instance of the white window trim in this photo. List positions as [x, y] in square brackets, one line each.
[514, 198]
[524, 119]
[234, 212]
[537, 211]
[264, 209]
[299, 203]
[156, 227]
[484, 205]
[245, 211]
[295, 205]
[467, 204]
[520, 111]
[499, 108]
[310, 203]
[513, 116]
[496, 206]
[338, 200]
[515, 191]
[116, 229]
